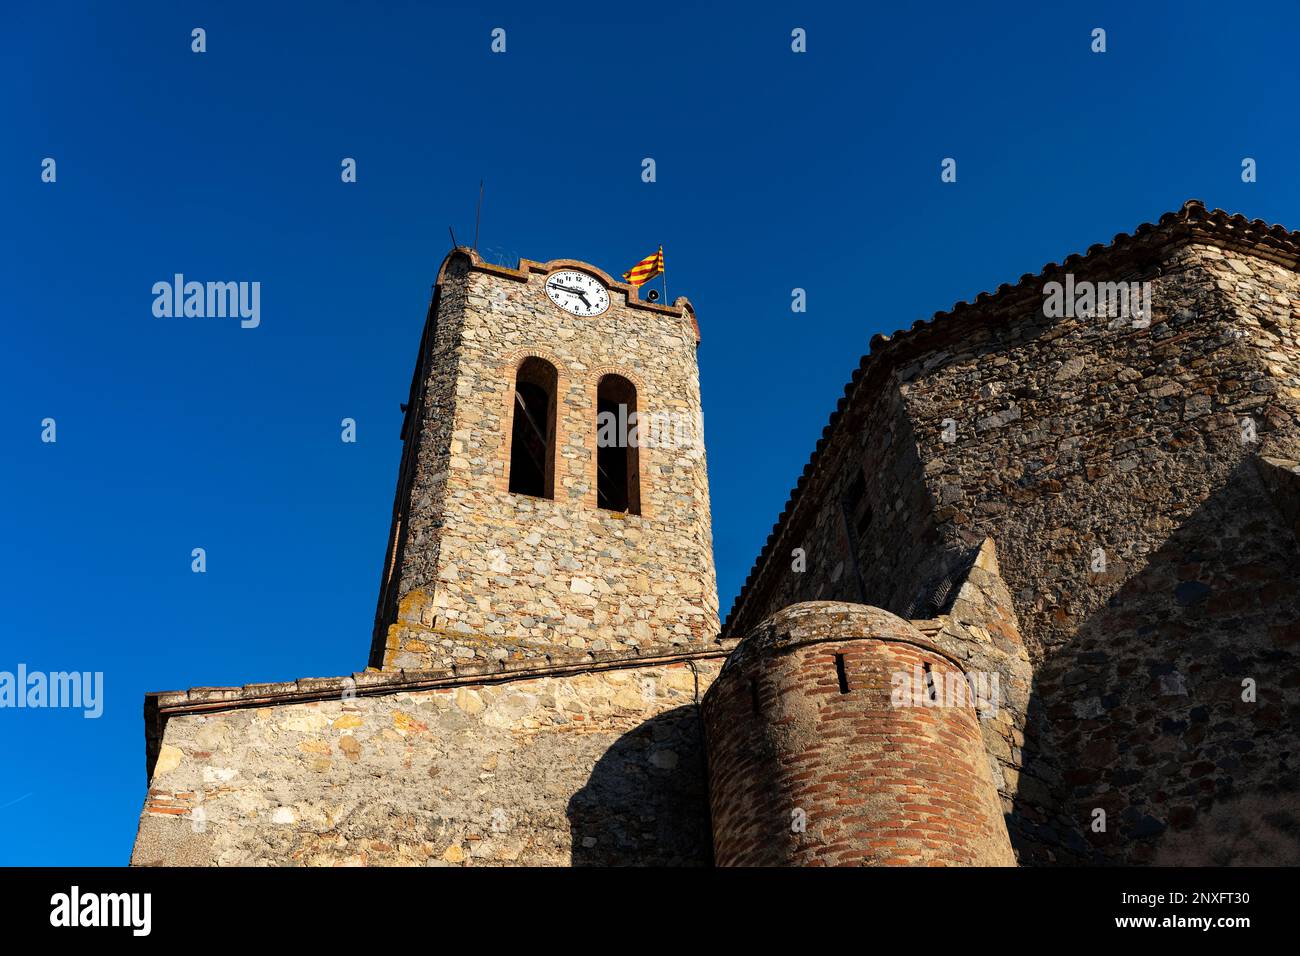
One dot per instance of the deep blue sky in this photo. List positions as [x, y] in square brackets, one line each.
[775, 170]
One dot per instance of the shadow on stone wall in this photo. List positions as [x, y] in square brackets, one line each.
[646, 800]
[1142, 716]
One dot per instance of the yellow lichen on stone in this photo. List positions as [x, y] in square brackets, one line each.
[412, 605]
[405, 723]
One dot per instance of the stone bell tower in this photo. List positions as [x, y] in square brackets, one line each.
[553, 490]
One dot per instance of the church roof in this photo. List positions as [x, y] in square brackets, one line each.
[1192, 222]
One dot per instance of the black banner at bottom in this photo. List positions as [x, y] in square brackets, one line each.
[336, 905]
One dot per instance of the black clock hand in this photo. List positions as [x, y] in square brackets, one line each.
[578, 292]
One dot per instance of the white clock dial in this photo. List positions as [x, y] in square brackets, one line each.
[577, 293]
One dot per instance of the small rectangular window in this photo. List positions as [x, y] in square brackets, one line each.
[856, 507]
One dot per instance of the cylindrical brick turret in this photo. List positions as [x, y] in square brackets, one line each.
[839, 735]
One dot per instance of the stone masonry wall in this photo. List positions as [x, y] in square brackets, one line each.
[481, 573]
[1082, 433]
[596, 768]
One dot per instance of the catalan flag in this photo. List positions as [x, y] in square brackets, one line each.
[645, 270]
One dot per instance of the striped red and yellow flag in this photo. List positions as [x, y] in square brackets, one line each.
[646, 269]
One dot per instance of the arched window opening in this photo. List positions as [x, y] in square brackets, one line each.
[618, 482]
[532, 436]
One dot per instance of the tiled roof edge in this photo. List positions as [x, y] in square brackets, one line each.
[374, 682]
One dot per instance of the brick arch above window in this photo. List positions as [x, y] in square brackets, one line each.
[519, 356]
[596, 374]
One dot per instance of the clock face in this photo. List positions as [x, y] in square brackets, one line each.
[577, 293]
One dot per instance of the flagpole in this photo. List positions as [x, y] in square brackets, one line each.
[664, 272]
